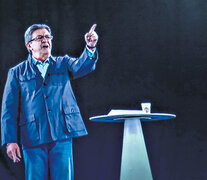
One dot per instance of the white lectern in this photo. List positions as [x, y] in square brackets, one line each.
[135, 163]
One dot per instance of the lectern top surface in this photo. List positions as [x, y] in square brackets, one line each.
[121, 115]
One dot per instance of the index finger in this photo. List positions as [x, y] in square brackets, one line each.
[18, 153]
[92, 28]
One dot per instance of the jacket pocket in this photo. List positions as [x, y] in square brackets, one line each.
[28, 87]
[29, 131]
[73, 119]
[58, 78]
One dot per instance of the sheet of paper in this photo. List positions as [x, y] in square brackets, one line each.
[124, 111]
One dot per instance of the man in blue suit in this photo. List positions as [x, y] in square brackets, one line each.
[39, 106]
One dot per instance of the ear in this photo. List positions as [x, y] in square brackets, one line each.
[28, 46]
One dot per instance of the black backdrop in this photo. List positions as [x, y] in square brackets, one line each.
[150, 50]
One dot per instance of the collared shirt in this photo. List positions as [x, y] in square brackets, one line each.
[42, 66]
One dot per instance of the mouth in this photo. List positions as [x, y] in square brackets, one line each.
[45, 46]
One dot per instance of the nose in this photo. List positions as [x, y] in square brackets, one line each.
[44, 38]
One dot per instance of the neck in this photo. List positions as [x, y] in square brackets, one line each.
[41, 58]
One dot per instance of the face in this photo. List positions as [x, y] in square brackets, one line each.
[40, 48]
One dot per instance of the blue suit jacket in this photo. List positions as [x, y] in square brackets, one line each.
[43, 110]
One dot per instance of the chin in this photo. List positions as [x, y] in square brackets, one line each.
[47, 52]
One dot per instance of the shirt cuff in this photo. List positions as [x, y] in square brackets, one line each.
[90, 52]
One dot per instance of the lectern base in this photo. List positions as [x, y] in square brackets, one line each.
[135, 163]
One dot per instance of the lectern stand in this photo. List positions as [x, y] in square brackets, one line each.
[135, 163]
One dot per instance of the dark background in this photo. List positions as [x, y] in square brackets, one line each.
[149, 50]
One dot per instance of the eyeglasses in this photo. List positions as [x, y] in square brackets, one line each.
[41, 37]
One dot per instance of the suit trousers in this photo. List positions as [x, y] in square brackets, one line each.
[50, 161]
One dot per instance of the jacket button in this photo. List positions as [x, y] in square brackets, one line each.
[44, 84]
[49, 110]
[72, 110]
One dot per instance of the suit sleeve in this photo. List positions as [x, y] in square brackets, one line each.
[9, 111]
[82, 65]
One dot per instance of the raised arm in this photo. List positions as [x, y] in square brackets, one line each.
[87, 61]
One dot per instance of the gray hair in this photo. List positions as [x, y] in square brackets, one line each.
[32, 28]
